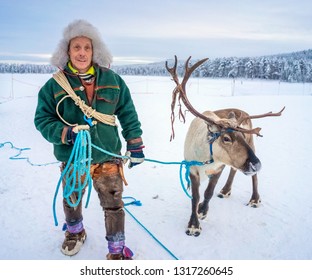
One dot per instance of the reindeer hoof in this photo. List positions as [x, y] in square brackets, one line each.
[192, 231]
[254, 203]
[224, 195]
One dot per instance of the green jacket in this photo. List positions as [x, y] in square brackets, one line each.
[112, 97]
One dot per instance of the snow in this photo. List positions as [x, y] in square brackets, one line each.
[278, 230]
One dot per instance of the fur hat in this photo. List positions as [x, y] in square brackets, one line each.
[101, 54]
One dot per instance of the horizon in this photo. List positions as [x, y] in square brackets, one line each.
[138, 61]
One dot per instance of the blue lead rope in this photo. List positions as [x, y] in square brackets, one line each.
[187, 165]
[79, 165]
[19, 157]
[78, 169]
[73, 169]
[138, 203]
[76, 173]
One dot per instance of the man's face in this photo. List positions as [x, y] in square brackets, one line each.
[80, 53]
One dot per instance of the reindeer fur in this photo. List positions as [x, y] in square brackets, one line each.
[234, 149]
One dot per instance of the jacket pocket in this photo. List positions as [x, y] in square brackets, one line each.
[106, 100]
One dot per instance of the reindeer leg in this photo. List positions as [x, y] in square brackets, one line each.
[193, 225]
[226, 190]
[204, 206]
[255, 197]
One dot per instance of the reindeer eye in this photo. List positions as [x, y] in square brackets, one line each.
[227, 139]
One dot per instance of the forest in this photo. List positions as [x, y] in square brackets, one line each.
[293, 67]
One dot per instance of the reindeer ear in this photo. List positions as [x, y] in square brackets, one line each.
[231, 115]
[212, 127]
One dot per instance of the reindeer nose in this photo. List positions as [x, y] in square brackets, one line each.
[255, 166]
[252, 168]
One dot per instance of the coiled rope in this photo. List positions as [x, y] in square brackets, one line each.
[76, 173]
[88, 111]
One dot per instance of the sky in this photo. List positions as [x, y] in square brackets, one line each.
[149, 31]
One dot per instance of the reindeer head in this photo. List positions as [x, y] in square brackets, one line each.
[219, 124]
[230, 128]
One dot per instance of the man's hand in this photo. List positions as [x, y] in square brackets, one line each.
[72, 132]
[135, 154]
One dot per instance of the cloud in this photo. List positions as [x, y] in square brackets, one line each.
[11, 57]
[135, 31]
[118, 60]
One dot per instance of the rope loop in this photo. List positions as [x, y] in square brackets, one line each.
[76, 174]
[133, 202]
[19, 153]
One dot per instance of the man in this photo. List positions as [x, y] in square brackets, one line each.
[83, 58]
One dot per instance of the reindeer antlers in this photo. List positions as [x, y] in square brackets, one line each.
[269, 114]
[180, 90]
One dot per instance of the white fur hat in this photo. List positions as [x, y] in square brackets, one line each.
[101, 54]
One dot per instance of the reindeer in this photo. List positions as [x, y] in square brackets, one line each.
[215, 139]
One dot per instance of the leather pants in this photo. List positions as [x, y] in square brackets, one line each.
[108, 182]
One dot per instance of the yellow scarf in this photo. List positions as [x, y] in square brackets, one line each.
[91, 70]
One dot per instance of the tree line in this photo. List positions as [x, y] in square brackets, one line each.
[25, 68]
[291, 67]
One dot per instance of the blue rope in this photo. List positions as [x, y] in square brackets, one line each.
[137, 202]
[79, 163]
[80, 155]
[20, 151]
[109, 153]
[133, 202]
[185, 163]
[76, 173]
[188, 165]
